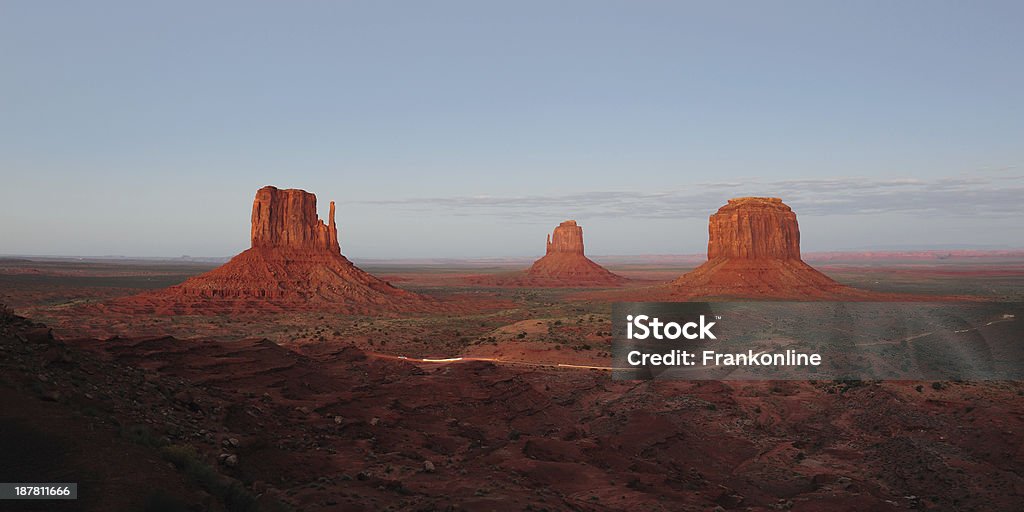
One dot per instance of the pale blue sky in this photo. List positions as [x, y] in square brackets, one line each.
[469, 129]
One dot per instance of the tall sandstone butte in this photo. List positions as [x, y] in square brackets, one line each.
[754, 251]
[288, 218]
[294, 263]
[566, 238]
[754, 228]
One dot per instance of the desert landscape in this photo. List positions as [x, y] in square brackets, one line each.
[290, 378]
[391, 256]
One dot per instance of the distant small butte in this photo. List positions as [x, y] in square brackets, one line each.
[564, 264]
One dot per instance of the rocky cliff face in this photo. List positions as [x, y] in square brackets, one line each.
[288, 219]
[754, 228]
[566, 238]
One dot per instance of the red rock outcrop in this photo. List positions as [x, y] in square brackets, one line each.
[563, 265]
[754, 252]
[288, 219]
[294, 263]
[566, 238]
[754, 228]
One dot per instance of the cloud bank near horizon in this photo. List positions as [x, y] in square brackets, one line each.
[993, 193]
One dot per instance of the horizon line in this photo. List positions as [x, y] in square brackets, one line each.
[702, 254]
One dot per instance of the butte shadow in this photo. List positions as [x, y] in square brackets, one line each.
[294, 264]
[754, 253]
[563, 266]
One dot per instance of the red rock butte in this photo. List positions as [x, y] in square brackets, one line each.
[295, 263]
[564, 262]
[288, 219]
[563, 265]
[754, 251]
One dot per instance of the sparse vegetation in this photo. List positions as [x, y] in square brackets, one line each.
[236, 498]
[142, 435]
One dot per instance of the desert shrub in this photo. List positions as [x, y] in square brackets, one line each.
[845, 385]
[238, 499]
[180, 455]
[141, 435]
[235, 496]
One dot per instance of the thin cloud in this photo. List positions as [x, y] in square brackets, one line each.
[982, 194]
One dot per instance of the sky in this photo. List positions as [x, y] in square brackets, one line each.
[470, 129]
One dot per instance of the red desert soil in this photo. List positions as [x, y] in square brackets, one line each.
[295, 263]
[344, 430]
[753, 252]
[563, 266]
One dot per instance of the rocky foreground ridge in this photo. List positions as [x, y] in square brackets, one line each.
[157, 423]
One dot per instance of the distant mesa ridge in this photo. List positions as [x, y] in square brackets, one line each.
[294, 263]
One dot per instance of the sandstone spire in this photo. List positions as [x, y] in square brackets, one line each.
[332, 230]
